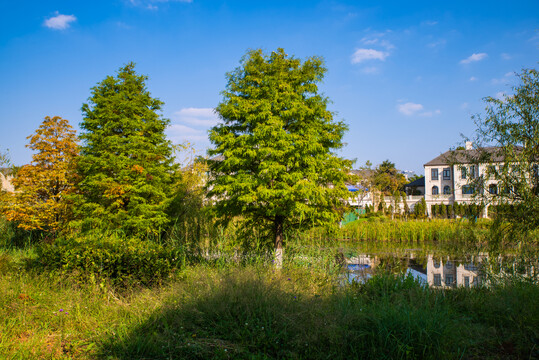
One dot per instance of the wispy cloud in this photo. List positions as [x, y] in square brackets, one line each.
[361, 55]
[59, 22]
[473, 58]
[179, 134]
[437, 43]
[192, 125]
[197, 116]
[506, 56]
[410, 109]
[473, 78]
[429, 22]
[151, 4]
[378, 39]
[504, 80]
[500, 95]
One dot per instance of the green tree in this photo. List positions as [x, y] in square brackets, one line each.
[420, 208]
[387, 178]
[39, 201]
[276, 165]
[125, 166]
[511, 125]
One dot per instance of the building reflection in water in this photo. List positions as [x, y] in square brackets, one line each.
[449, 274]
[440, 271]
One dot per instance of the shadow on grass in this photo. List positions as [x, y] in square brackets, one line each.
[247, 314]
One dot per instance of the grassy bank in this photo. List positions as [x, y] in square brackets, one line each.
[254, 312]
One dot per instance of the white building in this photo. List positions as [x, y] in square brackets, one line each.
[447, 177]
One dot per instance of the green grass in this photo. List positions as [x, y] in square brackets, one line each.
[252, 311]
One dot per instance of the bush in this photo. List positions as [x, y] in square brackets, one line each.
[120, 259]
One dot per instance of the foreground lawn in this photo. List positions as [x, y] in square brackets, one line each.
[255, 312]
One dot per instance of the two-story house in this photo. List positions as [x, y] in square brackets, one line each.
[449, 177]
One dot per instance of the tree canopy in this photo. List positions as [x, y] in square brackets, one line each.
[511, 125]
[388, 179]
[125, 167]
[274, 162]
[39, 201]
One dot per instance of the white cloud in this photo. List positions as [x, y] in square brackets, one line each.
[430, 113]
[473, 58]
[429, 22]
[60, 21]
[506, 56]
[179, 133]
[465, 106]
[376, 39]
[411, 108]
[149, 4]
[473, 78]
[368, 54]
[205, 117]
[192, 125]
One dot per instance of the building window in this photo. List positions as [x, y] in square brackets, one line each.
[449, 280]
[463, 172]
[472, 172]
[435, 190]
[467, 281]
[492, 171]
[434, 174]
[493, 189]
[437, 280]
[447, 190]
[446, 174]
[467, 190]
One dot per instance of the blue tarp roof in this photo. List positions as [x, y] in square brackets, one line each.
[354, 188]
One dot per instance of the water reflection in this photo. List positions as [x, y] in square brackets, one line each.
[438, 271]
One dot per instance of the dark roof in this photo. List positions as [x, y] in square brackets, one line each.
[417, 182]
[490, 154]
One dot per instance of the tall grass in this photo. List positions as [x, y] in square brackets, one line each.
[418, 231]
[238, 311]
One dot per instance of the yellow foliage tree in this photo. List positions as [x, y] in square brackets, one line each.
[39, 201]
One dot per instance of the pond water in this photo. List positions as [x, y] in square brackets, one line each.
[438, 270]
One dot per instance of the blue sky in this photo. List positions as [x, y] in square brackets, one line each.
[405, 77]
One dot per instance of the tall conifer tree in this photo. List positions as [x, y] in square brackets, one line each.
[125, 166]
[276, 165]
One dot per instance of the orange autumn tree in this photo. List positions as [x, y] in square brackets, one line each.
[39, 201]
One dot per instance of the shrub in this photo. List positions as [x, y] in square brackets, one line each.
[119, 259]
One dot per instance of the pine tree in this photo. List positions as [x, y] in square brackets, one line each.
[126, 162]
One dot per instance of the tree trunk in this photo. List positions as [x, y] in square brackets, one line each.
[278, 260]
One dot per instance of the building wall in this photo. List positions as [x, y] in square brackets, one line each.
[5, 183]
[457, 183]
